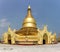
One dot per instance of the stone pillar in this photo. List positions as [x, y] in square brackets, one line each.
[12, 40]
[40, 41]
[5, 38]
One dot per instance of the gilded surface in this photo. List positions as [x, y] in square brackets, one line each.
[29, 33]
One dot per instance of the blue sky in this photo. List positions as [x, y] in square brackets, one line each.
[44, 11]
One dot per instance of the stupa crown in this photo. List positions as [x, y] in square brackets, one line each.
[29, 20]
[29, 7]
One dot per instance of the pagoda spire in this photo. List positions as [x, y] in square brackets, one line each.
[29, 20]
[29, 12]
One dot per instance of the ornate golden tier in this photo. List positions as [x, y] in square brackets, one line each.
[29, 21]
[27, 31]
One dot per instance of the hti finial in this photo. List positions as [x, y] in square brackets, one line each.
[29, 7]
[29, 4]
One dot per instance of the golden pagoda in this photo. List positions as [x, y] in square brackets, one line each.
[29, 33]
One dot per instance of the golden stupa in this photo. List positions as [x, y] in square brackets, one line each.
[29, 33]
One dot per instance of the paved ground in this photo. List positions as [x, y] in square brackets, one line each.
[36, 48]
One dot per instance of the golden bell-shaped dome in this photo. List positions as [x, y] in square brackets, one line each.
[29, 20]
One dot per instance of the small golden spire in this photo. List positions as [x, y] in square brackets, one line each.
[45, 27]
[9, 26]
[9, 29]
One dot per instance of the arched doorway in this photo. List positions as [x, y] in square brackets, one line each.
[45, 39]
[9, 39]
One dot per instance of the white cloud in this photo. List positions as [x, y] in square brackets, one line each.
[4, 22]
[3, 25]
